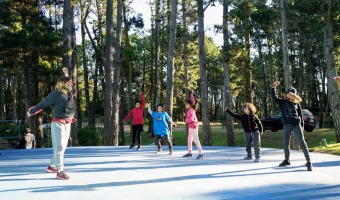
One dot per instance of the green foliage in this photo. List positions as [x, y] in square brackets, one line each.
[90, 136]
[9, 130]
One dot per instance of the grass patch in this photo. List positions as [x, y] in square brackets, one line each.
[269, 139]
[330, 149]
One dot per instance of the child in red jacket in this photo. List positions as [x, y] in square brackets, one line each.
[137, 121]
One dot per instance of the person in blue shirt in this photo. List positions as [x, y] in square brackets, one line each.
[160, 127]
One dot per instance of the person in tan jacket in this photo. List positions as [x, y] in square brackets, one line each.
[337, 80]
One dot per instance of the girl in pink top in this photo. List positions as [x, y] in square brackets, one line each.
[192, 122]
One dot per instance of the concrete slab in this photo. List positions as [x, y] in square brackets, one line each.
[120, 173]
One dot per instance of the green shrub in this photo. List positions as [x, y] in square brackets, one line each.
[8, 130]
[90, 136]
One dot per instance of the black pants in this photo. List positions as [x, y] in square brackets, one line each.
[158, 141]
[136, 132]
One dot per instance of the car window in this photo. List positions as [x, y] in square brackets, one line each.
[276, 114]
[306, 112]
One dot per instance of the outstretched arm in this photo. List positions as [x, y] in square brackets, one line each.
[236, 116]
[128, 117]
[168, 118]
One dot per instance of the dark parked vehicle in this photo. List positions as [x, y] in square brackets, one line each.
[273, 122]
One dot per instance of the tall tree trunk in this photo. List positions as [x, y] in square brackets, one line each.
[248, 67]
[185, 48]
[116, 74]
[122, 112]
[83, 15]
[286, 69]
[263, 75]
[2, 95]
[14, 94]
[170, 64]
[203, 76]
[152, 71]
[185, 57]
[333, 90]
[286, 65]
[69, 58]
[157, 53]
[108, 135]
[227, 90]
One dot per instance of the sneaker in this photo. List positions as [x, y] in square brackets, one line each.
[309, 166]
[284, 163]
[62, 176]
[187, 155]
[200, 156]
[248, 158]
[131, 146]
[257, 160]
[139, 148]
[158, 151]
[171, 152]
[50, 169]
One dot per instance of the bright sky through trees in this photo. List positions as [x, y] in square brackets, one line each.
[213, 15]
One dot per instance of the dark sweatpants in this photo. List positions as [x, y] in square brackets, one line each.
[287, 134]
[158, 141]
[136, 132]
[253, 139]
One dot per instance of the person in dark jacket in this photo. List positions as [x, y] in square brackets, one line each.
[252, 129]
[63, 107]
[292, 121]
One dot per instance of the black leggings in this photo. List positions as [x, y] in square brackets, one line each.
[158, 141]
[136, 131]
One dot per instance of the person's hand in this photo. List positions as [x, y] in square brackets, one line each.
[29, 114]
[276, 83]
[337, 78]
[65, 71]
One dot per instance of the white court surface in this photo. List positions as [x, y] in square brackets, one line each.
[121, 173]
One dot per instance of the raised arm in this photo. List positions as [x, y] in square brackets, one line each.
[273, 92]
[149, 108]
[192, 98]
[236, 116]
[143, 100]
[65, 71]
